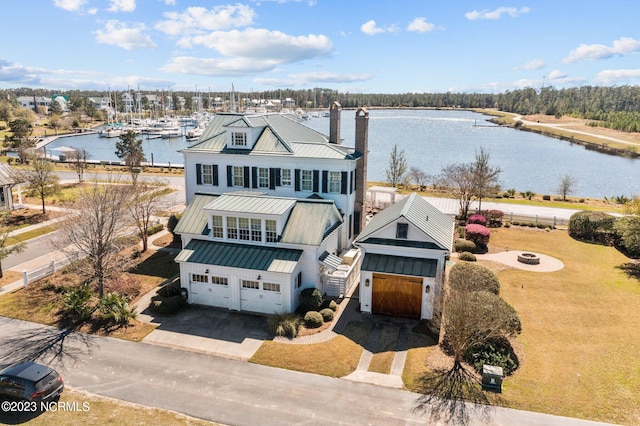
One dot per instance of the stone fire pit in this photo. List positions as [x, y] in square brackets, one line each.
[529, 258]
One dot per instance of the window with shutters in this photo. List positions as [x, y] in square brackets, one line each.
[306, 180]
[335, 182]
[217, 230]
[285, 175]
[263, 177]
[238, 176]
[207, 174]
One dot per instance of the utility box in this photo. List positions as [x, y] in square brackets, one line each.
[492, 378]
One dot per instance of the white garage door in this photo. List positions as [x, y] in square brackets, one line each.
[260, 297]
[210, 291]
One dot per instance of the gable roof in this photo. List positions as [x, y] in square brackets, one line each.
[194, 219]
[255, 203]
[9, 176]
[417, 211]
[310, 222]
[280, 134]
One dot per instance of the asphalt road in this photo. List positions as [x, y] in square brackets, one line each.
[223, 390]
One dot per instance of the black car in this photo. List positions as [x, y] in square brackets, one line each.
[30, 381]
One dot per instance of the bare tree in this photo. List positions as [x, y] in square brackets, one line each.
[78, 158]
[146, 200]
[42, 179]
[95, 230]
[566, 186]
[397, 167]
[419, 177]
[6, 250]
[458, 180]
[485, 175]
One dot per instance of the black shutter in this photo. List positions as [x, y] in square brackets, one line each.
[316, 180]
[325, 181]
[278, 177]
[297, 179]
[272, 178]
[229, 175]
[247, 176]
[199, 174]
[215, 175]
[344, 182]
[254, 177]
[353, 181]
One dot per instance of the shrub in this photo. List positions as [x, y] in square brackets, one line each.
[327, 314]
[310, 299]
[496, 352]
[546, 197]
[114, 308]
[154, 229]
[76, 303]
[166, 305]
[494, 218]
[477, 219]
[507, 225]
[126, 285]
[593, 226]
[467, 257]
[333, 305]
[286, 325]
[478, 234]
[172, 222]
[464, 245]
[473, 277]
[313, 319]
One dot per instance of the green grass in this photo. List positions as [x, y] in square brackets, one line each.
[24, 236]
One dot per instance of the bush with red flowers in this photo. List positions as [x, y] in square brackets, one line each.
[479, 234]
[477, 219]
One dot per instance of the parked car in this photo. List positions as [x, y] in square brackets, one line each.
[30, 381]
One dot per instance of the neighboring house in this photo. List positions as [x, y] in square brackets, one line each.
[33, 102]
[8, 178]
[272, 204]
[405, 247]
[62, 100]
[100, 103]
[251, 252]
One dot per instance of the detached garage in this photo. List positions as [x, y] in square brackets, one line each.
[405, 248]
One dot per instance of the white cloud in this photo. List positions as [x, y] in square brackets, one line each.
[266, 45]
[304, 79]
[621, 47]
[119, 34]
[170, 2]
[617, 76]
[69, 5]
[556, 75]
[420, 25]
[122, 5]
[197, 20]
[513, 12]
[218, 67]
[371, 28]
[533, 65]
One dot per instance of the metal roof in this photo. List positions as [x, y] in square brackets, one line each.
[195, 219]
[310, 222]
[399, 265]
[402, 243]
[252, 204]
[244, 256]
[420, 213]
[9, 176]
[330, 260]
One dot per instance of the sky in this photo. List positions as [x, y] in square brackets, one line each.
[355, 46]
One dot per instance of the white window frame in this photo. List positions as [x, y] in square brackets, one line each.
[306, 180]
[249, 284]
[232, 228]
[217, 230]
[239, 139]
[220, 281]
[256, 230]
[199, 278]
[238, 176]
[274, 287]
[285, 177]
[263, 177]
[207, 174]
[271, 231]
[335, 182]
[244, 229]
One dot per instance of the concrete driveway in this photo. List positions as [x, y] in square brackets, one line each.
[209, 330]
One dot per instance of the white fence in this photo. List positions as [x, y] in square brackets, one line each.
[44, 271]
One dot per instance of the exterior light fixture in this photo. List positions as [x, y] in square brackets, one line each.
[427, 289]
[366, 282]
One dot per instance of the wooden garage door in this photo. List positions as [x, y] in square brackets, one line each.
[397, 295]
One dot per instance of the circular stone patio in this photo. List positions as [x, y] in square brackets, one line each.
[510, 258]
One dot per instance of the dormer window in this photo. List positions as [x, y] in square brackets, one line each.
[402, 230]
[239, 139]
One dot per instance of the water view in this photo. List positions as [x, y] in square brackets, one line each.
[434, 139]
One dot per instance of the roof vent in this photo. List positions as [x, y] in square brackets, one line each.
[427, 218]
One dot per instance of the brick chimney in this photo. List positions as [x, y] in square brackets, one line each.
[334, 123]
[362, 148]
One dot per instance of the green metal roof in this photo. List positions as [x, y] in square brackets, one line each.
[418, 212]
[310, 222]
[244, 256]
[399, 265]
[402, 243]
[252, 204]
[195, 219]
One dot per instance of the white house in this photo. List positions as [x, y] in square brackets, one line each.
[405, 248]
[8, 179]
[272, 205]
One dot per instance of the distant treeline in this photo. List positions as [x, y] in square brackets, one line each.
[616, 107]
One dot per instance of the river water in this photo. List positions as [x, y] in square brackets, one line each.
[433, 139]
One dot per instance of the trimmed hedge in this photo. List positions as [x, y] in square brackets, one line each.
[593, 226]
[327, 314]
[473, 277]
[310, 299]
[166, 305]
[313, 319]
[467, 257]
[461, 245]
